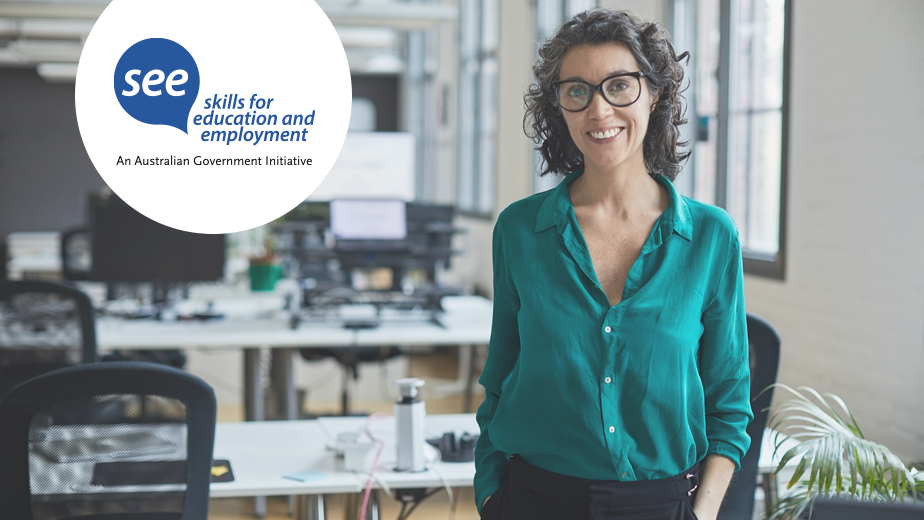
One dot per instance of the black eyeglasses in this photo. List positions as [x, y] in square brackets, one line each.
[619, 90]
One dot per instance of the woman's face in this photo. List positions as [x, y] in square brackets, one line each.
[608, 136]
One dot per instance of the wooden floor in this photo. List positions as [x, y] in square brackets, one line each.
[435, 507]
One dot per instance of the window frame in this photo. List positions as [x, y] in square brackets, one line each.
[756, 263]
[476, 179]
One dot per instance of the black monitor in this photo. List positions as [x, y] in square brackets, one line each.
[426, 240]
[129, 247]
[835, 509]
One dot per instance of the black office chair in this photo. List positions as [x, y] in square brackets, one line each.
[349, 359]
[44, 326]
[107, 441]
[764, 346]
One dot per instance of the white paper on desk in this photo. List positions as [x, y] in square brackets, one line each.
[305, 476]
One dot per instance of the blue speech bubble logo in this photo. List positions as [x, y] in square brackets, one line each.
[156, 82]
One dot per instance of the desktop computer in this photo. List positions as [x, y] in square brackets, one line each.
[394, 234]
[126, 246]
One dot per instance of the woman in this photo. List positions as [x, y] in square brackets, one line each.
[617, 379]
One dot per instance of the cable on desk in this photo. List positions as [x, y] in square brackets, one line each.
[375, 463]
[452, 501]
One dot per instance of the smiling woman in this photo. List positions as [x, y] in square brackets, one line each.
[617, 382]
[650, 46]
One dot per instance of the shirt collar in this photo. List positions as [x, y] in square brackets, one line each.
[556, 208]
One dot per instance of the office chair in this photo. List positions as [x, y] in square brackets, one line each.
[43, 326]
[349, 359]
[764, 346]
[107, 441]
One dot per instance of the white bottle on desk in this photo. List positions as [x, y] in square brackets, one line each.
[409, 423]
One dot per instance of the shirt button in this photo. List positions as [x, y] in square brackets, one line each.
[612, 429]
[625, 474]
[608, 380]
[608, 329]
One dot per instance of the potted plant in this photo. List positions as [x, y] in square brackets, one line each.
[264, 269]
[834, 458]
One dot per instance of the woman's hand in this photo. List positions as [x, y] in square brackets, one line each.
[717, 473]
[486, 501]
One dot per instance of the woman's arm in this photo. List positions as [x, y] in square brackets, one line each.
[717, 473]
[725, 375]
[491, 465]
[723, 362]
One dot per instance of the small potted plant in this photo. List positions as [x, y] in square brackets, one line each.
[264, 269]
[835, 459]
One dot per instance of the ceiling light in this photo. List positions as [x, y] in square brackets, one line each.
[408, 17]
[57, 72]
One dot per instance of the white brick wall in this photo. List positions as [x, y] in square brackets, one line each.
[851, 311]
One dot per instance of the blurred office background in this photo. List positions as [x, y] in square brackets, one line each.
[805, 118]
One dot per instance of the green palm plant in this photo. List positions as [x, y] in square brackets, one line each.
[837, 460]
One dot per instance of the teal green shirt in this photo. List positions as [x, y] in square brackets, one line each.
[641, 390]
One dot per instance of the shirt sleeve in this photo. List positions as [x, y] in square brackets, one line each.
[491, 465]
[724, 365]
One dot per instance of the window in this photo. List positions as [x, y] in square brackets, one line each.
[737, 108]
[478, 37]
[550, 15]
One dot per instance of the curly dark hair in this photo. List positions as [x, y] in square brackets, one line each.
[651, 46]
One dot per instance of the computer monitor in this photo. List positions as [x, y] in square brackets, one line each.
[833, 509]
[391, 233]
[357, 219]
[129, 247]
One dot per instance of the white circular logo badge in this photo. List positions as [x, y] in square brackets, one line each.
[213, 116]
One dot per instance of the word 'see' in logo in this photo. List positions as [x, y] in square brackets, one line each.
[157, 82]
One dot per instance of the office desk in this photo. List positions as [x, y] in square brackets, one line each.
[261, 452]
[767, 464]
[383, 428]
[466, 322]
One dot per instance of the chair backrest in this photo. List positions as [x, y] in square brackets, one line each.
[107, 441]
[764, 346]
[764, 343]
[76, 251]
[43, 326]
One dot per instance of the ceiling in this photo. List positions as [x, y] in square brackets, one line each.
[49, 35]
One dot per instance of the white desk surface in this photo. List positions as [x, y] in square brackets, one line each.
[221, 334]
[383, 428]
[260, 454]
[467, 321]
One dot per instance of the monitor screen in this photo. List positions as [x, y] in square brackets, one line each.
[355, 219]
[129, 247]
[838, 509]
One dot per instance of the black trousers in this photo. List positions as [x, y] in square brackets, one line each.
[536, 494]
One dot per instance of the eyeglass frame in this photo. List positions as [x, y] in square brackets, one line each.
[599, 87]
